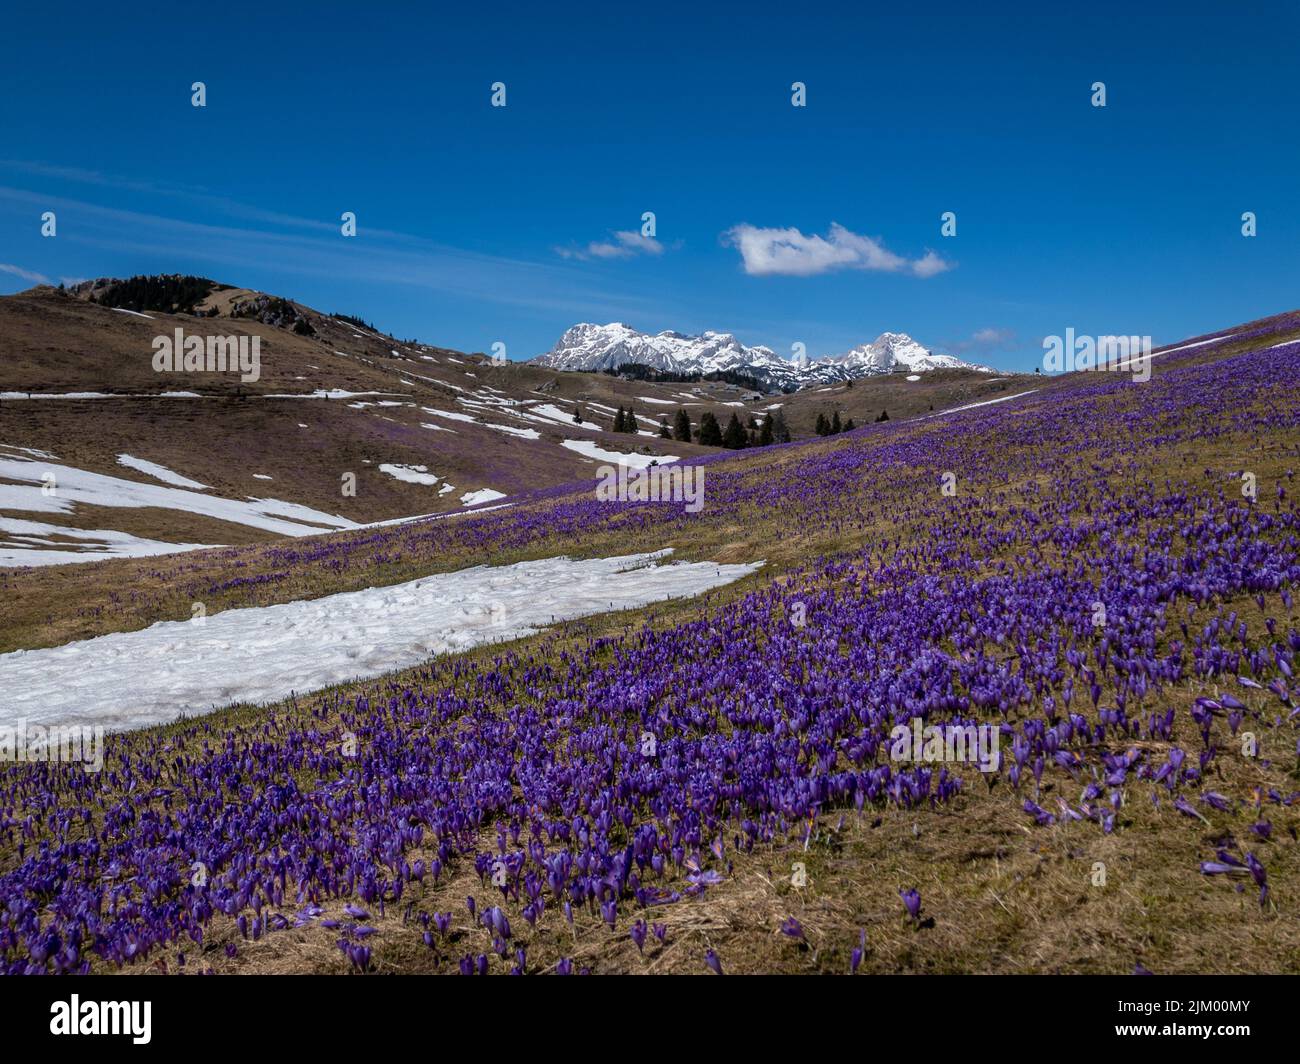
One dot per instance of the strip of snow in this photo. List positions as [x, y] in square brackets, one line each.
[325, 393]
[652, 399]
[63, 395]
[972, 406]
[554, 413]
[23, 542]
[1198, 343]
[474, 498]
[549, 418]
[33, 500]
[153, 676]
[34, 452]
[452, 415]
[158, 472]
[1136, 362]
[133, 313]
[73, 485]
[526, 434]
[633, 461]
[410, 474]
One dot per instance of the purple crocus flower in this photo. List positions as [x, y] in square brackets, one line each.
[911, 902]
[711, 959]
[1259, 875]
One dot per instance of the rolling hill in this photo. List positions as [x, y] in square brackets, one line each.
[343, 426]
[679, 783]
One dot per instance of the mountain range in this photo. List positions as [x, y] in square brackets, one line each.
[590, 347]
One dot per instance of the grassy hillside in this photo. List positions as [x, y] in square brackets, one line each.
[1129, 823]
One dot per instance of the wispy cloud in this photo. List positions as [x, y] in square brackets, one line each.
[316, 250]
[624, 245]
[155, 189]
[772, 252]
[985, 340]
[26, 275]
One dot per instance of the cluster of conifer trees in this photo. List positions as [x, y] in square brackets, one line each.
[167, 294]
[736, 435]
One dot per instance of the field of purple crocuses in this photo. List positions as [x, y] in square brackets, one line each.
[1101, 570]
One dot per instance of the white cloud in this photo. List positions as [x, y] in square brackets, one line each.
[625, 244]
[788, 252]
[984, 341]
[26, 275]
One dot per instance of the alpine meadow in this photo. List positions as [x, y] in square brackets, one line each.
[738, 509]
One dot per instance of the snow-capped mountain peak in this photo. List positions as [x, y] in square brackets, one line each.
[890, 351]
[591, 347]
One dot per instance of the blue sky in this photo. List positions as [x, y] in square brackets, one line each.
[478, 224]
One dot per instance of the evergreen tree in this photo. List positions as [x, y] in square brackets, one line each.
[710, 430]
[765, 436]
[780, 430]
[665, 431]
[629, 422]
[884, 416]
[849, 426]
[836, 428]
[823, 426]
[734, 436]
[682, 426]
[618, 420]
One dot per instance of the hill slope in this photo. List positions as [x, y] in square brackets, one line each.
[1108, 584]
[353, 425]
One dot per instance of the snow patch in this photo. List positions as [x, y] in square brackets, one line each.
[158, 472]
[410, 474]
[153, 676]
[633, 461]
[32, 543]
